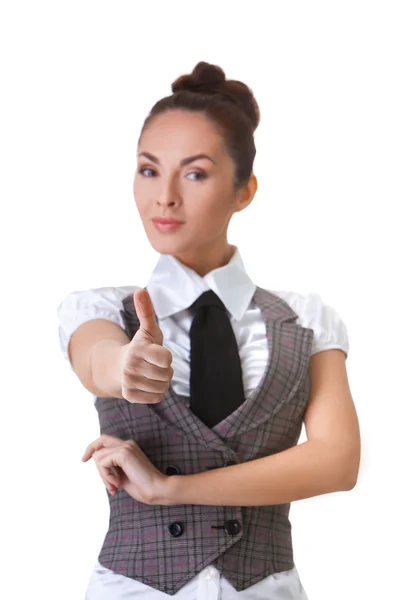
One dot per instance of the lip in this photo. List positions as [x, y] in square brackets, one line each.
[166, 225]
[164, 221]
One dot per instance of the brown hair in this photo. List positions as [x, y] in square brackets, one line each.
[229, 104]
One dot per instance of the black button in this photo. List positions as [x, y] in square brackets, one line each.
[228, 463]
[172, 470]
[232, 527]
[175, 529]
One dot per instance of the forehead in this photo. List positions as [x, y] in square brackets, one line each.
[181, 132]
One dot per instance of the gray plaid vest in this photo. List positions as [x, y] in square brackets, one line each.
[166, 546]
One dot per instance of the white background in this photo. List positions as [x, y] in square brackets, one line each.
[77, 80]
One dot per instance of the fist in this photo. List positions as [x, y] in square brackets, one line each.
[146, 365]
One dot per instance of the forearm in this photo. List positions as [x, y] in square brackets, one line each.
[306, 470]
[105, 359]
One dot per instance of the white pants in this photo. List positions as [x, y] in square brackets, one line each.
[104, 584]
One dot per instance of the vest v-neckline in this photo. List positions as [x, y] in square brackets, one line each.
[242, 408]
[280, 329]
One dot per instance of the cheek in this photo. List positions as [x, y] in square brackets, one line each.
[202, 198]
[211, 197]
[210, 216]
[140, 195]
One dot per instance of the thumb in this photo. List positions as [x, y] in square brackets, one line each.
[145, 312]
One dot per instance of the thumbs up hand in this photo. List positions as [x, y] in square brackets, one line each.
[146, 365]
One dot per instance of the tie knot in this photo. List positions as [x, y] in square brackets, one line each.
[208, 298]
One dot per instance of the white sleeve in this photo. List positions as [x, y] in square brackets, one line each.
[329, 329]
[83, 305]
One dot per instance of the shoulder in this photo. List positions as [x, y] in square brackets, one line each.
[95, 298]
[313, 312]
[95, 303]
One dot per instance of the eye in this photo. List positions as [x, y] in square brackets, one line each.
[147, 172]
[198, 176]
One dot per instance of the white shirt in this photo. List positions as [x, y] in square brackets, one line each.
[173, 287]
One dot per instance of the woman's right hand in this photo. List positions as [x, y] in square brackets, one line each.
[145, 364]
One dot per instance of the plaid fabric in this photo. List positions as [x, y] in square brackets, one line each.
[138, 542]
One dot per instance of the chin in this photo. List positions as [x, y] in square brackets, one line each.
[166, 246]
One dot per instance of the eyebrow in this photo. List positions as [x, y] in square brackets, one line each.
[184, 161]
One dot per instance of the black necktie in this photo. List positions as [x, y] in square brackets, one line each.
[216, 385]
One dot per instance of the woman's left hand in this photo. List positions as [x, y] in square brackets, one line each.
[121, 463]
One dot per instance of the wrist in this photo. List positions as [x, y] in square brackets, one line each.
[169, 491]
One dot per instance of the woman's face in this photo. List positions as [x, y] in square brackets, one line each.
[185, 173]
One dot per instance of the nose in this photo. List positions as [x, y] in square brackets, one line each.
[169, 195]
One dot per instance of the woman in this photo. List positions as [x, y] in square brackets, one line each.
[202, 380]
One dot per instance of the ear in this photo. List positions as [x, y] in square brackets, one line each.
[247, 193]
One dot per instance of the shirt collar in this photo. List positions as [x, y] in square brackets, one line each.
[174, 287]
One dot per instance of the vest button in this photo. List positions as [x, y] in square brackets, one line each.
[172, 470]
[228, 463]
[175, 529]
[232, 527]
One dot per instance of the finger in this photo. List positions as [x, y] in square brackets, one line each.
[114, 479]
[107, 461]
[150, 370]
[110, 461]
[113, 482]
[104, 441]
[157, 355]
[112, 487]
[143, 384]
[145, 312]
[136, 396]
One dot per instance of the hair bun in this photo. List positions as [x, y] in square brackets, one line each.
[204, 76]
[210, 79]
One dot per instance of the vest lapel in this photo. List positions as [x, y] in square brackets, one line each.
[289, 347]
